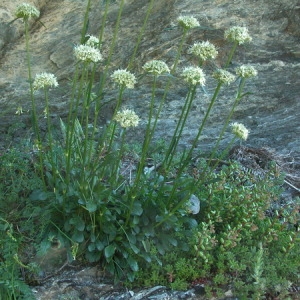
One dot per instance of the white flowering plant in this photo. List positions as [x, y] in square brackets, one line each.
[129, 206]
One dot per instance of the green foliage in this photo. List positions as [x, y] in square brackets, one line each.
[135, 221]
[11, 284]
[108, 221]
[18, 178]
[237, 242]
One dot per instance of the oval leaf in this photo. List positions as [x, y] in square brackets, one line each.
[109, 251]
[132, 264]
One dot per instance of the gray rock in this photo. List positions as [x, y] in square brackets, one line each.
[271, 112]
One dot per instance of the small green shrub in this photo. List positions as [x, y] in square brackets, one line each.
[12, 286]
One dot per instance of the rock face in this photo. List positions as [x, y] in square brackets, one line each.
[271, 111]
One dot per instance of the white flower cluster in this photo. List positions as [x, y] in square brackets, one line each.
[204, 50]
[124, 77]
[187, 22]
[238, 34]
[87, 53]
[193, 75]
[156, 67]
[223, 76]
[127, 118]
[246, 71]
[240, 131]
[44, 80]
[92, 41]
[27, 11]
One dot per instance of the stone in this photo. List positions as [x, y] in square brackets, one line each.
[270, 112]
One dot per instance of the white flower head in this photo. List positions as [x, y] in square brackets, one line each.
[27, 11]
[127, 118]
[187, 22]
[223, 76]
[204, 50]
[246, 71]
[87, 53]
[156, 67]
[193, 75]
[44, 80]
[238, 34]
[92, 41]
[240, 131]
[124, 77]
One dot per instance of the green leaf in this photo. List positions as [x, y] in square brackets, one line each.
[93, 256]
[99, 245]
[109, 251]
[172, 241]
[131, 238]
[91, 247]
[78, 237]
[38, 195]
[146, 245]
[137, 209]
[80, 225]
[132, 264]
[146, 257]
[134, 248]
[135, 220]
[91, 206]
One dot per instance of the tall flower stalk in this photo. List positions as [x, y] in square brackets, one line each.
[156, 68]
[124, 79]
[45, 81]
[27, 11]
[193, 76]
[244, 72]
[237, 36]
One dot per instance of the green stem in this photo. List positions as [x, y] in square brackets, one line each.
[116, 31]
[71, 134]
[229, 59]
[33, 105]
[236, 102]
[180, 126]
[149, 9]
[112, 133]
[212, 102]
[49, 128]
[117, 164]
[85, 22]
[148, 135]
[179, 50]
